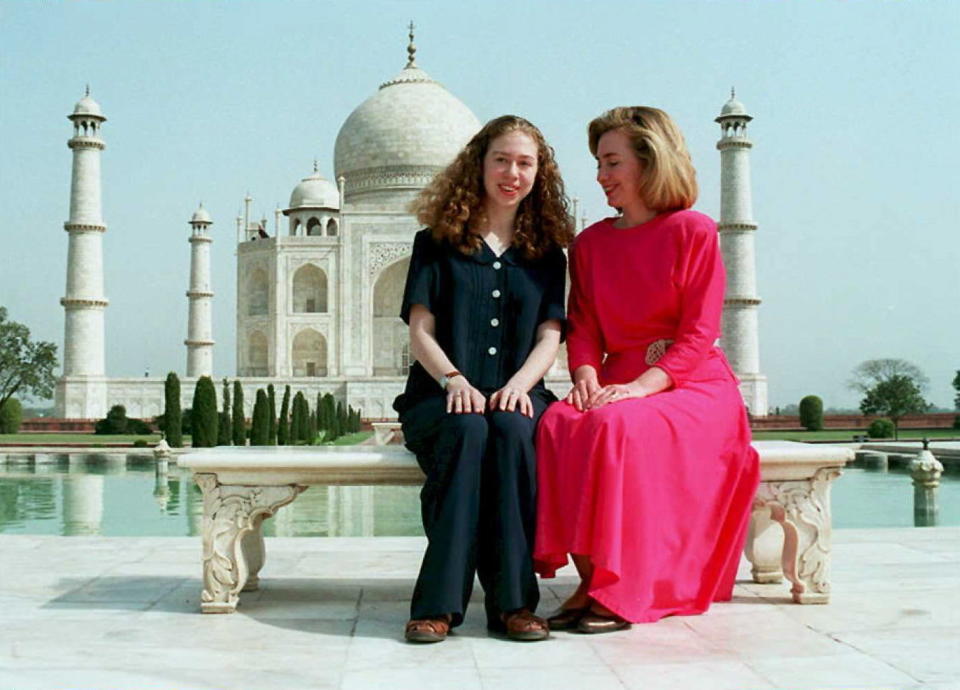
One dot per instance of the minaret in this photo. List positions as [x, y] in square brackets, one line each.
[81, 391]
[199, 340]
[740, 338]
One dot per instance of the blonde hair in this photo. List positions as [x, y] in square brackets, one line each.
[669, 179]
[452, 204]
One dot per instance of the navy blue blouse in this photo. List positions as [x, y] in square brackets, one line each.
[486, 309]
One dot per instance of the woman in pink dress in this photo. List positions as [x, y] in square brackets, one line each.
[645, 472]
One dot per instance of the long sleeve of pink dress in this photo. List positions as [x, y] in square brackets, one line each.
[656, 491]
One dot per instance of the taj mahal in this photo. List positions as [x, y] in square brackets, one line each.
[318, 293]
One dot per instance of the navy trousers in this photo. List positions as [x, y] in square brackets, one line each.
[478, 505]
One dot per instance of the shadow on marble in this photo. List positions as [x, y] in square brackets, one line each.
[115, 592]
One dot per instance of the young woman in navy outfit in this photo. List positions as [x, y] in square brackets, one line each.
[484, 302]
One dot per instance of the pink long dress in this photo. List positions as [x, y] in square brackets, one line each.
[656, 490]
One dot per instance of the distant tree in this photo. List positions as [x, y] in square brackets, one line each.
[260, 426]
[330, 415]
[172, 423]
[186, 421]
[868, 374]
[225, 427]
[894, 398]
[881, 428]
[272, 411]
[117, 422]
[303, 432]
[239, 417]
[205, 416]
[283, 424]
[114, 423]
[342, 425]
[296, 419]
[956, 387]
[11, 415]
[811, 413]
[321, 413]
[24, 365]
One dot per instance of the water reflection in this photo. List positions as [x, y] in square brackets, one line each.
[101, 494]
[26, 499]
[82, 504]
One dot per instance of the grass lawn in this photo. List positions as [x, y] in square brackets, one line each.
[88, 439]
[94, 441]
[350, 439]
[848, 434]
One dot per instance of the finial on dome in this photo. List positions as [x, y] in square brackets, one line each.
[315, 169]
[411, 49]
[733, 92]
[87, 91]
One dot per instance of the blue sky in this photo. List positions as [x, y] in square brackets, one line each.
[854, 163]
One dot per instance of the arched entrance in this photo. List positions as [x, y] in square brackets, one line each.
[390, 334]
[309, 355]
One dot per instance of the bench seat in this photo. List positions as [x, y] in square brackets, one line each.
[789, 531]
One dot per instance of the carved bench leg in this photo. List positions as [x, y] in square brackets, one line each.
[254, 553]
[803, 510]
[232, 539]
[764, 548]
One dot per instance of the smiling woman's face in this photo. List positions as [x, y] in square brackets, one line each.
[509, 169]
[619, 171]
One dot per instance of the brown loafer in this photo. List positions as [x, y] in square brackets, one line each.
[566, 619]
[593, 623]
[523, 626]
[427, 630]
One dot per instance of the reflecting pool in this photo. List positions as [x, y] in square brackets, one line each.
[117, 496]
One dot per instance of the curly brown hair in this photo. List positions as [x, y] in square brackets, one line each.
[452, 204]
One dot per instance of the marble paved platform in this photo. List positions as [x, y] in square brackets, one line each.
[94, 612]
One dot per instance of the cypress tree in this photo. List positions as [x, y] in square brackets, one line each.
[296, 419]
[305, 420]
[811, 413]
[321, 416]
[272, 410]
[283, 425]
[172, 418]
[204, 413]
[342, 419]
[225, 429]
[330, 415]
[260, 428]
[239, 418]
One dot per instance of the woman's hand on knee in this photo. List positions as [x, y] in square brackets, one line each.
[510, 398]
[585, 385]
[615, 393]
[462, 398]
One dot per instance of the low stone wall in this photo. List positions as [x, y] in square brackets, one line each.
[933, 420]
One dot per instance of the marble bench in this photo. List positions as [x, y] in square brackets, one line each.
[789, 530]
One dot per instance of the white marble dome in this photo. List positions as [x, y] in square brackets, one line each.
[89, 107]
[733, 107]
[201, 216]
[315, 191]
[400, 137]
